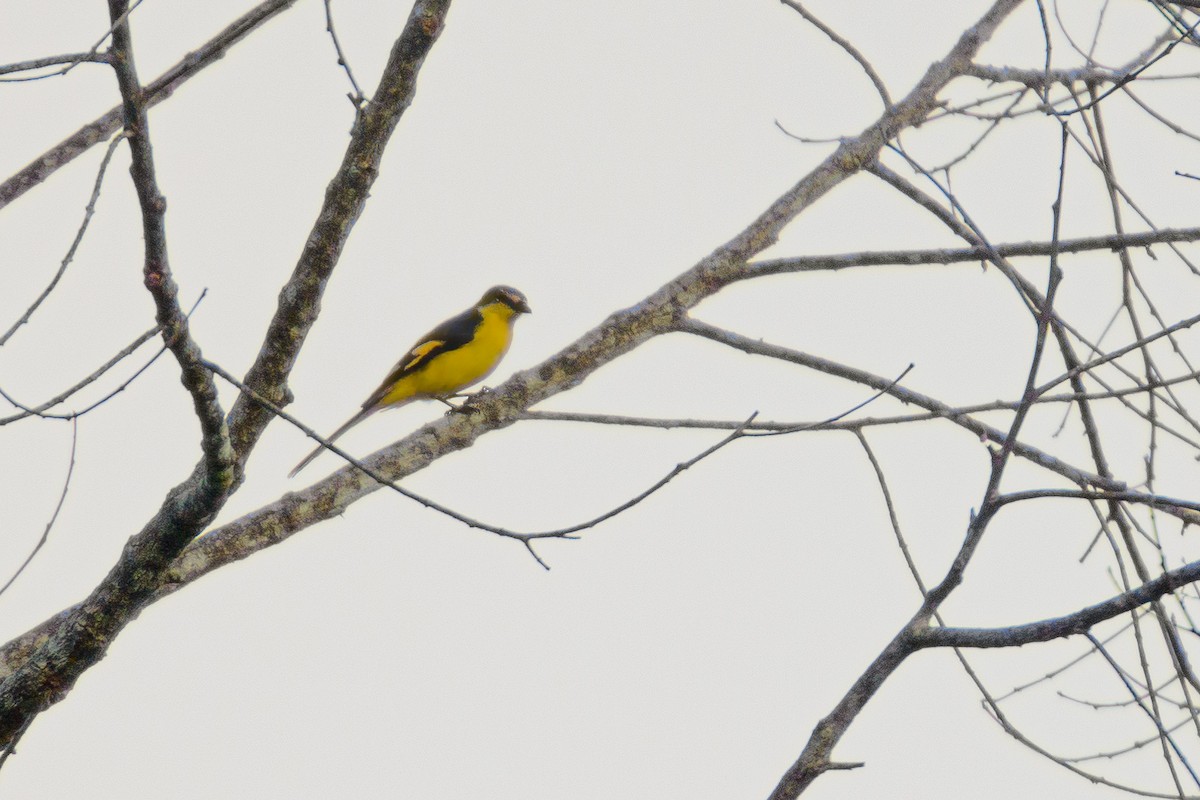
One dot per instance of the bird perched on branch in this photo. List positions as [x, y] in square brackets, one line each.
[461, 351]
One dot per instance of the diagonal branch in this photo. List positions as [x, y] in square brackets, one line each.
[1073, 624]
[902, 393]
[345, 199]
[990, 503]
[40, 410]
[160, 89]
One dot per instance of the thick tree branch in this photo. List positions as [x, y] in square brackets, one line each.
[815, 760]
[345, 198]
[74, 640]
[82, 639]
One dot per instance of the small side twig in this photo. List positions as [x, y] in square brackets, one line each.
[1182, 37]
[92, 55]
[70, 60]
[356, 97]
[62, 498]
[850, 49]
[41, 409]
[89, 210]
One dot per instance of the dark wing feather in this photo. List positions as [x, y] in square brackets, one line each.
[450, 335]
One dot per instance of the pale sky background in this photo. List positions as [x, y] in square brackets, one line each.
[585, 153]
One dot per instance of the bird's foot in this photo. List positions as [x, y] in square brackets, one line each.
[467, 405]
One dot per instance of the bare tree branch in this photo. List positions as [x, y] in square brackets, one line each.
[82, 639]
[843, 43]
[1073, 624]
[75, 639]
[838, 261]
[62, 498]
[345, 199]
[89, 210]
[155, 92]
[90, 55]
[70, 60]
[906, 395]
[157, 270]
[1144, 374]
[356, 96]
[40, 410]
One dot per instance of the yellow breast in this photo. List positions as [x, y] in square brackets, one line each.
[455, 370]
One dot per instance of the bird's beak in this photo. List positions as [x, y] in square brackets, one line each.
[524, 308]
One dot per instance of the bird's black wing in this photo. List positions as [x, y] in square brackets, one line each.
[450, 335]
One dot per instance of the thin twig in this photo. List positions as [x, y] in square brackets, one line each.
[40, 410]
[558, 533]
[905, 395]
[70, 59]
[1133, 75]
[842, 424]
[89, 210]
[956, 255]
[62, 498]
[1155, 718]
[356, 97]
[92, 55]
[850, 49]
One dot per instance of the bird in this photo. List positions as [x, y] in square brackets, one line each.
[461, 351]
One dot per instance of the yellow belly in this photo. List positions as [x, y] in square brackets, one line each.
[455, 370]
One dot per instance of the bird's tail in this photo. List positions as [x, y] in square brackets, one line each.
[350, 423]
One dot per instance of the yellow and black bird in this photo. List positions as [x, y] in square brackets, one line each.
[461, 351]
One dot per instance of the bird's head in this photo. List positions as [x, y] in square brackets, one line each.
[508, 296]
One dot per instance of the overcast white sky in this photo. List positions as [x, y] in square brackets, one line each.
[585, 153]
